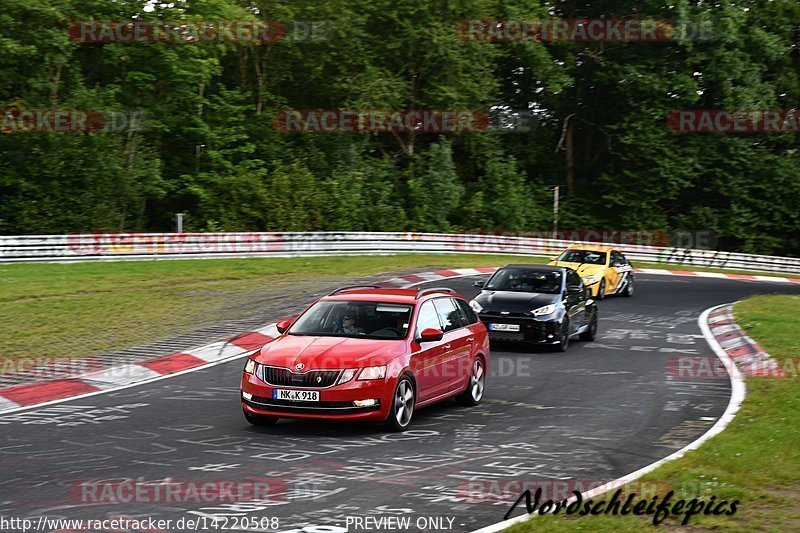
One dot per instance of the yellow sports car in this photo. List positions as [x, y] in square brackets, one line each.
[603, 269]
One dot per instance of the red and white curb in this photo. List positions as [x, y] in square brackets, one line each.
[745, 353]
[19, 397]
[118, 376]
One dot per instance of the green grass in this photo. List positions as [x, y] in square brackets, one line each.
[82, 309]
[755, 460]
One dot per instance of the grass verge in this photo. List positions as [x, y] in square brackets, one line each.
[83, 309]
[756, 460]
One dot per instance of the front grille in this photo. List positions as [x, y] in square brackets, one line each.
[506, 336]
[283, 377]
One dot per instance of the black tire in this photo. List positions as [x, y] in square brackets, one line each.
[591, 332]
[475, 386]
[257, 420]
[563, 342]
[628, 292]
[400, 415]
[601, 291]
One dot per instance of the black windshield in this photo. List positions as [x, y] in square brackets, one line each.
[525, 280]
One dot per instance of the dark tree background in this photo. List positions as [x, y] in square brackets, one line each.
[210, 149]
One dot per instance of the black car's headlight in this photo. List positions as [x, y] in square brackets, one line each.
[545, 310]
[478, 308]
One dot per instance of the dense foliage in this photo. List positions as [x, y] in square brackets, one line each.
[210, 149]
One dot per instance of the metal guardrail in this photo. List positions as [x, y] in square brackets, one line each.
[122, 246]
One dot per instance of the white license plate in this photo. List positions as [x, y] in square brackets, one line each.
[504, 327]
[296, 395]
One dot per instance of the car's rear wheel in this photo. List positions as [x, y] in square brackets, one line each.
[628, 288]
[591, 332]
[601, 291]
[403, 404]
[563, 342]
[475, 386]
[258, 420]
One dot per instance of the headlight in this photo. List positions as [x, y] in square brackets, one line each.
[591, 279]
[546, 310]
[476, 306]
[250, 367]
[347, 375]
[373, 372]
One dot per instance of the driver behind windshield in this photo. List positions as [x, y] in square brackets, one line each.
[349, 326]
[525, 281]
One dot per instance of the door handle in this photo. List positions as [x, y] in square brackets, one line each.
[470, 339]
[446, 346]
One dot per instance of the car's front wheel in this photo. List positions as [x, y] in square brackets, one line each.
[258, 420]
[563, 341]
[628, 288]
[475, 387]
[591, 331]
[601, 291]
[403, 403]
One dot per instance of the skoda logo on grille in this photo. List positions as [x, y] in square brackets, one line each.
[299, 366]
[319, 379]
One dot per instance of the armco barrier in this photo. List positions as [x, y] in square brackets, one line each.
[120, 246]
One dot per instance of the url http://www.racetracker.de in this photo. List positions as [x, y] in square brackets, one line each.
[201, 523]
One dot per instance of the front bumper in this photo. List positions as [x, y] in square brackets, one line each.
[335, 402]
[531, 329]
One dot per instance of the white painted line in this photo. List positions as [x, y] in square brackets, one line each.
[119, 375]
[719, 330]
[430, 276]
[712, 275]
[773, 278]
[215, 351]
[5, 403]
[467, 272]
[738, 391]
[269, 330]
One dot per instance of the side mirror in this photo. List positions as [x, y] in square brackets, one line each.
[554, 258]
[431, 335]
[478, 284]
[283, 324]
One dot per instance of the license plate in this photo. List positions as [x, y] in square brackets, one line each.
[296, 395]
[504, 327]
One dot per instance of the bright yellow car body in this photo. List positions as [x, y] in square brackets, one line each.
[603, 269]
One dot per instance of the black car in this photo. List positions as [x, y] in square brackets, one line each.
[537, 304]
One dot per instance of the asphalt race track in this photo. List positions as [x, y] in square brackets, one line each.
[597, 412]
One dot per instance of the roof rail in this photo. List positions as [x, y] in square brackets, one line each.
[423, 292]
[351, 287]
